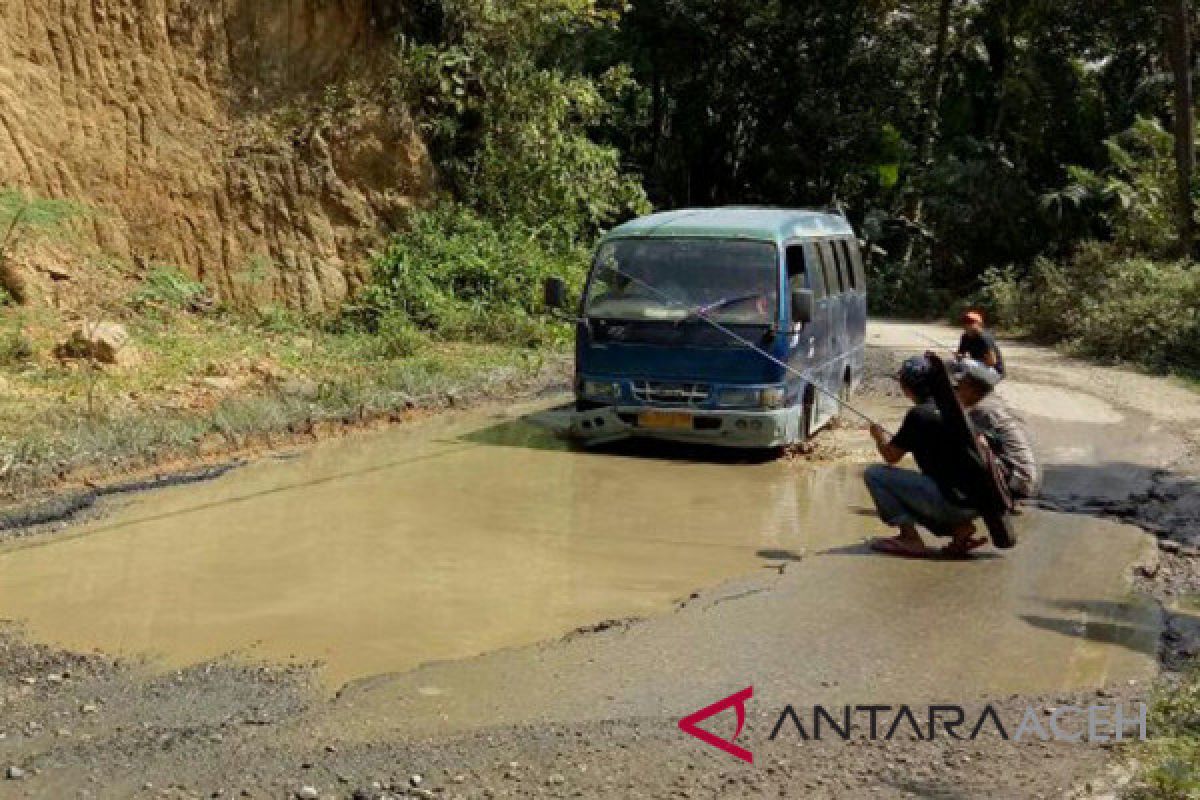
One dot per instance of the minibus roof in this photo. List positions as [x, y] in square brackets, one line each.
[761, 224]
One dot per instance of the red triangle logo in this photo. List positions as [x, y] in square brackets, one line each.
[690, 724]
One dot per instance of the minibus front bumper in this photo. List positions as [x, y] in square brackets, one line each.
[724, 428]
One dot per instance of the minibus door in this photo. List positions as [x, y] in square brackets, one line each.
[811, 353]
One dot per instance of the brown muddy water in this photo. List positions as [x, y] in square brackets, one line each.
[377, 553]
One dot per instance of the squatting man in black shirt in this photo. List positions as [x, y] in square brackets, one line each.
[930, 498]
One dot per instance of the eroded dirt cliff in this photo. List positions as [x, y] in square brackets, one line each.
[183, 125]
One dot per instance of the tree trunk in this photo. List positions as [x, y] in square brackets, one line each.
[927, 125]
[931, 95]
[1178, 30]
[657, 116]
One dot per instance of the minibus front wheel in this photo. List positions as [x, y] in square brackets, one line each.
[844, 393]
[809, 412]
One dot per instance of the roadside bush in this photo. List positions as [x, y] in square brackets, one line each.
[398, 337]
[1105, 305]
[16, 347]
[167, 286]
[1121, 298]
[23, 215]
[500, 93]
[275, 318]
[457, 275]
[905, 290]
[1170, 763]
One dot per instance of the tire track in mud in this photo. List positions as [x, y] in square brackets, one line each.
[26, 521]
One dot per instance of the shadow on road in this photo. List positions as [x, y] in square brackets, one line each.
[547, 430]
[542, 430]
[1134, 637]
[1103, 621]
[780, 555]
[864, 549]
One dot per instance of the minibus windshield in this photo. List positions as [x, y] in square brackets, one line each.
[735, 282]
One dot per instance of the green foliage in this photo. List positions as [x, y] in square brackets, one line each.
[808, 102]
[980, 209]
[1171, 761]
[45, 434]
[16, 348]
[501, 97]
[793, 103]
[166, 286]
[1173, 777]
[1105, 304]
[21, 214]
[1121, 298]
[905, 291]
[258, 267]
[540, 112]
[398, 337]
[274, 318]
[19, 210]
[1133, 197]
[458, 275]
[508, 115]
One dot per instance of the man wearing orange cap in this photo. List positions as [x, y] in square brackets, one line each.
[979, 345]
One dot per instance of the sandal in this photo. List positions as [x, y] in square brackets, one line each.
[964, 550]
[896, 547]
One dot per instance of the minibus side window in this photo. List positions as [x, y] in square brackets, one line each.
[843, 264]
[813, 269]
[860, 275]
[832, 281]
[851, 273]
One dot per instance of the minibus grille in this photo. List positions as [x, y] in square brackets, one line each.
[671, 394]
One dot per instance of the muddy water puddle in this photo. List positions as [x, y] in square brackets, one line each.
[377, 553]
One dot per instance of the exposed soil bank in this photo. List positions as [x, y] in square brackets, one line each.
[177, 122]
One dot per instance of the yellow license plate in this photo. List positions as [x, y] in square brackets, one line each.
[671, 420]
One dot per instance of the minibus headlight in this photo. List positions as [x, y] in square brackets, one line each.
[773, 397]
[601, 390]
[740, 398]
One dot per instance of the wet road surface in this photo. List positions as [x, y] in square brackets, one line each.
[377, 553]
[839, 626]
[484, 533]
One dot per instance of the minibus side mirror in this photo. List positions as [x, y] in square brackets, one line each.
[554, 294]
[803, 306]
